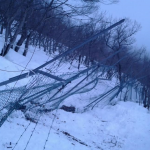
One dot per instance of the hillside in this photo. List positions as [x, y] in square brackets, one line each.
[117, 125]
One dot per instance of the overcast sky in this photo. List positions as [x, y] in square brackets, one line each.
[138, 10]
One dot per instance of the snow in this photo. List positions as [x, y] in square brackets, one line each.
[116, 126]
[123, 126]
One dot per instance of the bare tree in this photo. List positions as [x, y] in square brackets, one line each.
[121, 39]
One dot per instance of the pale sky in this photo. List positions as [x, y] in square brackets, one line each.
[138, 10]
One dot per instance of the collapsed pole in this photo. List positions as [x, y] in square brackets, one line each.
[33, 72]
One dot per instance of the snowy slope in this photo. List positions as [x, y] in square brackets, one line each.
[122, 126]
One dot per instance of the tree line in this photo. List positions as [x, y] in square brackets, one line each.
[50, 24]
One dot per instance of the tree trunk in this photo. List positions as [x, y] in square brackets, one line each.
[19, 43]
[2, 28]
[27, 44]
[7, 48]
[6, 40]
[22, 39]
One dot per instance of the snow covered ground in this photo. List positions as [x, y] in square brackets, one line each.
[124, 126]
[121, 126]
